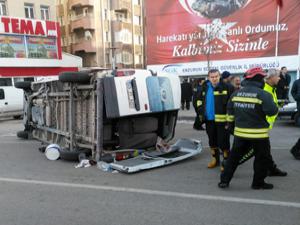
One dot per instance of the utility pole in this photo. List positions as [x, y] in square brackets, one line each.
[113, 56]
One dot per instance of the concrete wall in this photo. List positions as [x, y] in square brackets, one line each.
[15, 8]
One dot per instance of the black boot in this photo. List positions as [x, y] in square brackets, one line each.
[275, 172]
[264, 186]
[296, 150]
[223, 185]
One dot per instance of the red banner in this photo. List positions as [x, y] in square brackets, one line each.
[180, 31]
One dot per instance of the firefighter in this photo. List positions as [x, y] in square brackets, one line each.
[247, 110]
[211, 106]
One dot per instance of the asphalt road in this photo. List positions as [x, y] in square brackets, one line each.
[35, 191]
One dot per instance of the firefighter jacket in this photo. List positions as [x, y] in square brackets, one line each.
[222, 93]
[248, 109]
[272, 90]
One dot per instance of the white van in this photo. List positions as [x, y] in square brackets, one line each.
[11, 98]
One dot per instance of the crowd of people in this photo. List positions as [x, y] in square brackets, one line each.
[247, 110]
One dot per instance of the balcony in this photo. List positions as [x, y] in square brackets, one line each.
[83, 45]
[106, 25]
[121, 46]
[121, 5]
[60, 10]
[80, 3]
[63, 30]
[138, 49]
[137, 10]
[138, 30]
[83, 22]
[118, 25]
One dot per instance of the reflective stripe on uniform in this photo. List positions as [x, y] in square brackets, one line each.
[251, 132]
[248, 100]
[247, 135]
[199, 103]
[220, 118]
[229, 118]
[220, 93]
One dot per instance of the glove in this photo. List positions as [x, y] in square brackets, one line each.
[230, 128]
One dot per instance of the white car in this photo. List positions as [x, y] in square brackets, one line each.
[11, 99]
[290, 110]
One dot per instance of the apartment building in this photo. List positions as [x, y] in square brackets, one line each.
[105, 33]
[33, 9]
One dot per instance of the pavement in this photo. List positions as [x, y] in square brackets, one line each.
[186, 114]
[37, 191]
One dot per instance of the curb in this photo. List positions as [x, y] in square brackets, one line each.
[190, 118]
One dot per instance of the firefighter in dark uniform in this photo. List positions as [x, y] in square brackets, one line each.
[247, 110]
[211, 105]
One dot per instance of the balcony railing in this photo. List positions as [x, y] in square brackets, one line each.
[80, 3]
[83, 22]
[83, 45]
[118, 25]
[121, 5]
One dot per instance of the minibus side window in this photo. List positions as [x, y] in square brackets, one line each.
[2, 95]
[5, 82]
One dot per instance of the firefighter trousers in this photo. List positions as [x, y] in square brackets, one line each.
[262, 160]
[218, 136]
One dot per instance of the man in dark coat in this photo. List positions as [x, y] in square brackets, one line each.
[196, 91]
[186, 94]
[296, 93]
[283, 85]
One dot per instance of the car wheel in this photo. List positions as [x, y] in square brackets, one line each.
[17, 117]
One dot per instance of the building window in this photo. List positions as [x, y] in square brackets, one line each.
[3, 8]
[107, 58]
[45, 12]
[137, 39]
[105, 14]
[106, 36]
[127, 58]
[121, 17]
[29, 11]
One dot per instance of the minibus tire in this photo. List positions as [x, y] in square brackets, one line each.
[23, 134]
[73, 156]
[74, 77]
[25, 85]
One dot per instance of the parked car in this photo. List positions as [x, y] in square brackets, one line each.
[11, 99]
[290, 110]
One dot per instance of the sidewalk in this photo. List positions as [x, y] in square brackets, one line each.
[186, 114]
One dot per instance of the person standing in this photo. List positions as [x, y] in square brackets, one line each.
[226, 77]
[295, 151]
[186, 94]
[236, 82]
[197, 89]
[247, 110]
[283, 85]
[211, 106]
[272, 80]
[296, 93]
